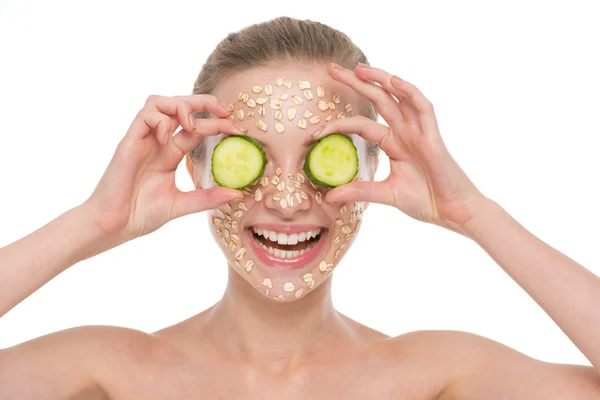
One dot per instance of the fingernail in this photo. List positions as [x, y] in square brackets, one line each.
[335, 66]
[192, 121]
[397, 79]
[228, 107]
[239, 130]
[363, 65]
[328, 199]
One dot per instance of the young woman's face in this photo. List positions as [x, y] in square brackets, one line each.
[283, 239]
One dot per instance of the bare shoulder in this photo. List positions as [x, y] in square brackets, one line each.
[470, 366]
[89, 340]
[77, 360]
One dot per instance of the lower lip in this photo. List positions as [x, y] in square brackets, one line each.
[271, 260]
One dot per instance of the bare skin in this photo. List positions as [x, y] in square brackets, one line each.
[251, 345]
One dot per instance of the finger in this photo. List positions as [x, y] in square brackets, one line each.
[147, 121]
[203, 199]
[369, 191]
[383, 78]
[414, 106]
[183, 107]
[384, 102]
[184, 141]
[424, 108]
[369, 130]
[417, 99]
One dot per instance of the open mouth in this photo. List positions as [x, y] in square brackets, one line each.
[288, 250]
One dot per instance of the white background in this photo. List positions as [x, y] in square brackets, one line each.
[515, 88]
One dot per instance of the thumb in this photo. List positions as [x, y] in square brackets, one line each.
[203, 199]
[369, 191]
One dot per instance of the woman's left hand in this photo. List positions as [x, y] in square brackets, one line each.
[425, 182]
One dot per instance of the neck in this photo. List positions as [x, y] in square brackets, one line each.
[277, 333]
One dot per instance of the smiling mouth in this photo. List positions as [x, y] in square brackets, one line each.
[286, 246]
[286, 250]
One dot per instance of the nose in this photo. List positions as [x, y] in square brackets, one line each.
[287, 193]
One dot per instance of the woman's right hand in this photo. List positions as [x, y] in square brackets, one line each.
[137, 193]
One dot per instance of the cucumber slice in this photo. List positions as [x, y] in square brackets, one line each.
[238, 161]
[332, 161]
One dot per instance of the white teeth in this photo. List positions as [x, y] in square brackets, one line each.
[288, 253]
[283, 238]
[285, 253]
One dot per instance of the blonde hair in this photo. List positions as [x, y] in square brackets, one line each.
[280, 41]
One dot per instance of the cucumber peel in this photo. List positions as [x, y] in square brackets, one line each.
[332, 161]
[237, 161]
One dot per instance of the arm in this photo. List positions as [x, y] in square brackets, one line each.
[567, 291]
[136, 195]
[30, 262]
[426, 183]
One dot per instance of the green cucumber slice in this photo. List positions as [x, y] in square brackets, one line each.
[332, 161]
[237, 161]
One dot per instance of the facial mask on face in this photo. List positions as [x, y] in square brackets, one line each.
[286, 103]
[244, 245]
[280, 262]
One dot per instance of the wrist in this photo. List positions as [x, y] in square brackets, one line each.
[92, 239]
[477, 207]
[480, 217]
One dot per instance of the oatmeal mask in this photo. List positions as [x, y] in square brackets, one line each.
[283, 238]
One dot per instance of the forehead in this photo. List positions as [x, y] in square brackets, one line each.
[288, 101]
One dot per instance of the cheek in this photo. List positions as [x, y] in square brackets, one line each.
[225, 228]
[347, 219]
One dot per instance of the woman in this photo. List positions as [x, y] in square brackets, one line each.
[275, 332]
